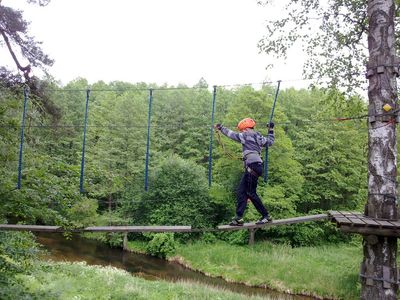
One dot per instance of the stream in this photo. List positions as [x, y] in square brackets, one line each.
[148, 267]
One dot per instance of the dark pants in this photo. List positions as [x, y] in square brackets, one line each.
[248, 190]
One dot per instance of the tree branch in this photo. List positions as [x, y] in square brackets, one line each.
[26, 69]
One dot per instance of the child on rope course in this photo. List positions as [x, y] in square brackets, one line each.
[252, 143]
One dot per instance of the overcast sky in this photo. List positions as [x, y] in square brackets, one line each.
[158, 41]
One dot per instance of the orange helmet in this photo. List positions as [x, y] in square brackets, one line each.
[246, 123]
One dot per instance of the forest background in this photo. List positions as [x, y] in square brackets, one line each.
[318, 162]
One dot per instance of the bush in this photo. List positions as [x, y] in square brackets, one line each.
[162, 245]
[208, 237]
[306, 234]
[178, 195]
[83, 213]
[17, 251]
[237, 237]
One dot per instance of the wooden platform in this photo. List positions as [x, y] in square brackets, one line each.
[354, 222]
[276, 222]
[18, 227]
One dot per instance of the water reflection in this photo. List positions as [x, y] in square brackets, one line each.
[150, 268]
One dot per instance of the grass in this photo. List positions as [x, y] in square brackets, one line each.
[327, 271]
[80, 281]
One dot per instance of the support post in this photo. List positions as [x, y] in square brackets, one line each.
[379, 276]
[21, 144]
[125, 243]
[252, 232]
[146, 172]
[270, 120]
[211, 136]
[81, 188]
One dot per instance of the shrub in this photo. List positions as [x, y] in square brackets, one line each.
[162, 245]
[208, 237]
[17, 250]
[237, 237]
[178, 195]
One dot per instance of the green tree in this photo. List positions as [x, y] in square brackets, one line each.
[116, 140]
[14, 33]
[181, 122]
[178, 195]
[332, 153]
[333, 35]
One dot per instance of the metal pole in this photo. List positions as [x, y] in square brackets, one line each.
[211, 136]
[270, 120]
[21, 144]
[84, 142]
[146, 173]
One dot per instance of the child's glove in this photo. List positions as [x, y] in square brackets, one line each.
[271, 127]
[218, 126]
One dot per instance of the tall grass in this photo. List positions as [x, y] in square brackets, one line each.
[327, 271]
[65, 281]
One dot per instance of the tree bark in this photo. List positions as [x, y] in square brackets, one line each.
[379, 268]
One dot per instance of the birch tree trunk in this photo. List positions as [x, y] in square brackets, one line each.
[379, 268]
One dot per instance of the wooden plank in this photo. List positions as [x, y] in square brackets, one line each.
[300, 219]
[357, 221]
[370, 222]
[277, 222]
[334, 213]
[20, 227]
[97, 228]
[346, 213]
[342, 220]
[138, 229]
[384, 223]
[395, 223]
[355, 216]
[370, 230]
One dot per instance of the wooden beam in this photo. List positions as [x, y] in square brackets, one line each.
[370, 230]
[18, 227]
[97, 228]
[277, 222]
[139, 229]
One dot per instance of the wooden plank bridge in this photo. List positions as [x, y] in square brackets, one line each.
[21, 227]
[348, 222]
[251, 227]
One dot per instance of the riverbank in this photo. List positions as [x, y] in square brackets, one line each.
[93, 252]
[327, 271]
[64, 280]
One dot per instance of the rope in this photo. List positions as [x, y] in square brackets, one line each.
[21, 144]
[227, 153]
[146, 172]
[270, 120]
[81, 179]
[211, 136]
